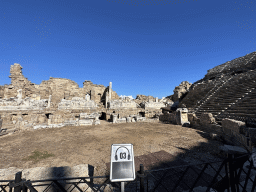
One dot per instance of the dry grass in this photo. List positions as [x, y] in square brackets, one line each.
[70, 146]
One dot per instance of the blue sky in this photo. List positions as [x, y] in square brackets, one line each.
[141, 46]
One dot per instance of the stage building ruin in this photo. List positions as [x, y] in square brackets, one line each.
[59, 102]
[223, 101]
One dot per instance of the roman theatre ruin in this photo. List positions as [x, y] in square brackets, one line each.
[224, 100]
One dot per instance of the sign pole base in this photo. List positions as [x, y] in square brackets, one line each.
[122, 186]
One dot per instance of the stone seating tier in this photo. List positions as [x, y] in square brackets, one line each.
[244, 63]
[200, 91]
[242, 114]
[230, 94]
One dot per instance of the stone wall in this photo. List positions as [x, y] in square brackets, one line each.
[237, 133]
[13, 104]
[60, 102]
[154, 105]
[168, 117]
[143, 98]
[76, 103]
[18, 81]
[1, 92]
[57, 88]
[116, 104]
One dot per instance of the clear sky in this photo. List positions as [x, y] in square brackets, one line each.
[142, 46]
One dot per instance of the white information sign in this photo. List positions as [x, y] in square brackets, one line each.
[122, 166]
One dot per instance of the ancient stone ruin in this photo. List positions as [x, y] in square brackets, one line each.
[60, 102]
[222, 101]
[226, 94]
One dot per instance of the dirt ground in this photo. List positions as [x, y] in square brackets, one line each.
[70, 146]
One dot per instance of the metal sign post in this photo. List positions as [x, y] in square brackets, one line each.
[122, 166]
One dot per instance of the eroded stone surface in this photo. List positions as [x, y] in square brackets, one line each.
[207, 118]
[237, 126]
[60, 102]
[180, 90]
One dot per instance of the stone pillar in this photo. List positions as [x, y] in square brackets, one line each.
[156, 99]
[49, 101]
[110, 89]
[106, 100]
[114, 118]
[128, 119]
[87, 97]
[182, 116]
[19, 95]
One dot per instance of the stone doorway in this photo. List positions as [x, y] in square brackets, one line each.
[142, 114]
[103, 116]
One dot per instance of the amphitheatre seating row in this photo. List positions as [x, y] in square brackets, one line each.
[246, 108]
[230, 94]
[245, 63]
[201, 91]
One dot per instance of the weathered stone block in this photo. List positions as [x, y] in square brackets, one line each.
[1, 122]
[216, 127]
[237, 126]
[83, 115]
[207, 118]
[114, 118]
[154, 105]
[41, 119]
[115, 104]
[144, 118]
[85, 122]
[128, 119]
[182, 116]
[97, 122]
[227, 131]
[122, 120]
[139, 119]
[27, 126]
[70, 123]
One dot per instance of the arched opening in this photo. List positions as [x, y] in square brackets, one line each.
[99, 97]
[142, 114]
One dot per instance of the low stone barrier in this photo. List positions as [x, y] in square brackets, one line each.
[168, 117]
[43, 173]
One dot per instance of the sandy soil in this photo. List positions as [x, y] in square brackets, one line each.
[71, 146]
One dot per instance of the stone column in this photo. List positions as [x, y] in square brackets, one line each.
[110, 89]
[156, 99]
[182, 116]
[114, 118]
[87, 97]
[49, 101]
[128, 119]
[106, 100]
[19, 95]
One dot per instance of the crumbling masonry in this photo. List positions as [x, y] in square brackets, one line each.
[58, 102]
